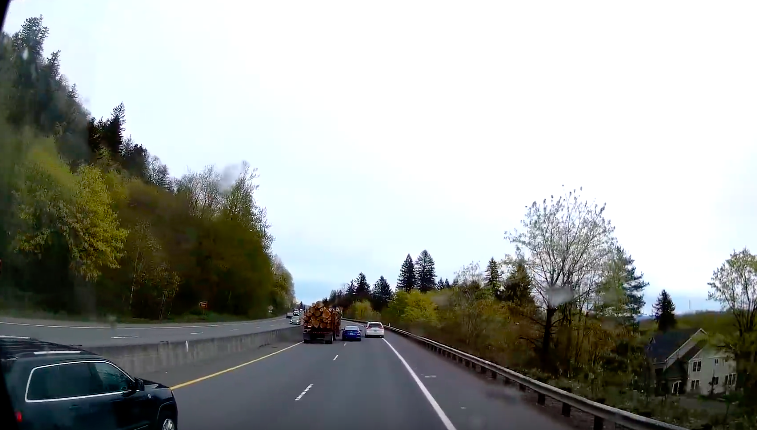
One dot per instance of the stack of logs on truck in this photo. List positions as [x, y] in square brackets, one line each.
[321, 323]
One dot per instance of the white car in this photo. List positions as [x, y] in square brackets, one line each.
[295, 320]
[374, 329]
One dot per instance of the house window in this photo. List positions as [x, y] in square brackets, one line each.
[694, 384]
[717, 361]
[730, 379]
[715, 380]
[696, 366]
[676, 387]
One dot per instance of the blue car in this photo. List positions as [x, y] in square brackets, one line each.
[351, 332]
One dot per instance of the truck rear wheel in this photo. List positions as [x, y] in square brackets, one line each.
[330, 339]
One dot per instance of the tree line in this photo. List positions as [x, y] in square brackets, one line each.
[93, 223]
[564, 308]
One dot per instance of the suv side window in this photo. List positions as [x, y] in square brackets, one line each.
[60, 381]
[110, 379]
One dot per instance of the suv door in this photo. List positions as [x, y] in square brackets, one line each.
[59, 395]
[127, 407]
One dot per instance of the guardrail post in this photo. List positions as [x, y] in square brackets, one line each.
[482, 370]
[493, 375]
[541, 399]
[599, 422]
[565, 406]
[522, 387]
[467, 363]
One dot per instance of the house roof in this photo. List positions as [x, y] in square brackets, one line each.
[693, 351]
[664, 344]
[678, 371]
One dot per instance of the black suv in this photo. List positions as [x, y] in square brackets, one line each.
[64, 387]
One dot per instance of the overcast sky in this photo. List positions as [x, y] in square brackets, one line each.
[385, 128]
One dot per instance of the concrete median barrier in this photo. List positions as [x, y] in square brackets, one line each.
[140, 359]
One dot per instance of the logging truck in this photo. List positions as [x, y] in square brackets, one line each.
[321, 323]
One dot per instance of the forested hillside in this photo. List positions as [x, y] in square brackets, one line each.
[93, 223]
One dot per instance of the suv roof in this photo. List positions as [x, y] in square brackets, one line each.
[14, 347]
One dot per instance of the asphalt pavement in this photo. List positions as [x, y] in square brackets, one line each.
[375, 384]
[103, 334]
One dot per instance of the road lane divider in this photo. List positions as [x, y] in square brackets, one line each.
[152, 357]
[213, 375]
[303, 393]
[438, 409]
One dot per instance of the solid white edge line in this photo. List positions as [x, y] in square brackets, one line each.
[447, 423]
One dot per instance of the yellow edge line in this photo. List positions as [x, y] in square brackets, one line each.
[194, 381]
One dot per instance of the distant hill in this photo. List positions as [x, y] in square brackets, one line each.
[711, 321]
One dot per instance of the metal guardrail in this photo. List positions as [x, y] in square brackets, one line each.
[602, 413]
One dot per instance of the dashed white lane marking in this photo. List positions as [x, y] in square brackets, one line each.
[345, 343]
[447, 423]
[335, 357]
[234, 329]
[303, 393]
[195, 333]
[123, 337]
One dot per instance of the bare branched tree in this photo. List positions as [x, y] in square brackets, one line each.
[565, 245]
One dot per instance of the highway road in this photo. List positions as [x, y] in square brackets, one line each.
[99, 334]
[375, 384]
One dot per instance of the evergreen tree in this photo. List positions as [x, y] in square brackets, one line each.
[382, 294]
[664, 312]
[517, 287]
[349, 294]
[493, 276]
[440, 284]
[446, 283]
[362, 288]
[406, 281]
[634, 285]
[339, 298]
[425, 272]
